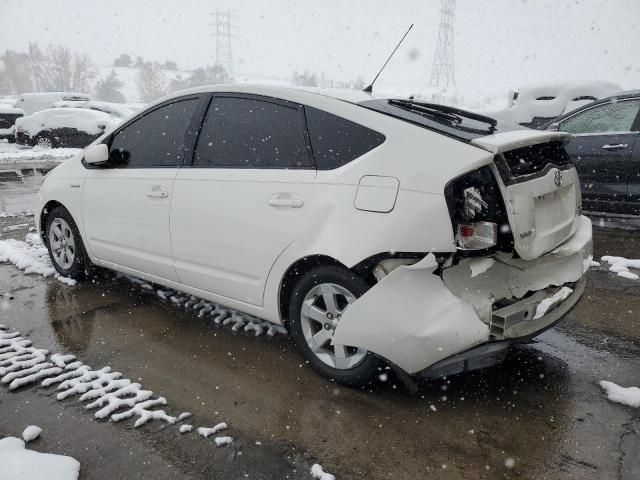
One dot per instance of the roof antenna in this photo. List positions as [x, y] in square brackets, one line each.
[369, 89]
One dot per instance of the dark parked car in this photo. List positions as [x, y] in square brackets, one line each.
[606, 152]
[8, 117]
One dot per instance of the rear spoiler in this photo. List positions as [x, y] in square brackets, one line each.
[503, 142]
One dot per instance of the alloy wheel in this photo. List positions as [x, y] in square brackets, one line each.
[322, 309]
[44, 142]
[63, 246]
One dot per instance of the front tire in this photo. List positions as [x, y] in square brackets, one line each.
[316, 306]
[65, 246]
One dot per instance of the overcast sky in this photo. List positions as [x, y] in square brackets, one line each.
[499, 44]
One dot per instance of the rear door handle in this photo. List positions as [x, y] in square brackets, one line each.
[285, 200]
[617, 146]
[157, 192]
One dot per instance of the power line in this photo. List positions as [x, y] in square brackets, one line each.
[223, 34]
[443, 72]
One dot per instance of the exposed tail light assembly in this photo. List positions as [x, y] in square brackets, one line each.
[478, 213]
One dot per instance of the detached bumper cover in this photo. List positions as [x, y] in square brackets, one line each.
[416, 319]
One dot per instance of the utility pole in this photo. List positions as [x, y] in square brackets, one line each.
[443, 72]
[224, 56]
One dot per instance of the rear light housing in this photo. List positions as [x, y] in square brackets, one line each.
[478, 214]
[476, 236]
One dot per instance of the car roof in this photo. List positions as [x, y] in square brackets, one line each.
[278, 91]
[627, 94]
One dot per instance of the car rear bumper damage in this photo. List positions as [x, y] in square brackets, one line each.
[464, 318]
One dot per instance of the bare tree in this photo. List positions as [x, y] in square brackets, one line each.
[18, 71]
[60, 67]
[152, 82]
[82, 72]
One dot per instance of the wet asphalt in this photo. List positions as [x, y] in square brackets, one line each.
[538, 415]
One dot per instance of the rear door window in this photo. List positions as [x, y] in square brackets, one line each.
[609, 117]
[243, 132]
[157, 139]
[337, 141]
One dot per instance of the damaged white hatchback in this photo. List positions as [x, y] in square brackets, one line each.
[380, 231]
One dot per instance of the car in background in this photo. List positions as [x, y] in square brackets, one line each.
[534, 105]
[329, 211]
[34, 102]
[606, 152]
[63, 127]
[120, 110]
[8, 117]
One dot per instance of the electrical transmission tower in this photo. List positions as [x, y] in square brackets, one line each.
[224, 56]
[443, 72]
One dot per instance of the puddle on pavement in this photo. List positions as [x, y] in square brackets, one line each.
[539, 408]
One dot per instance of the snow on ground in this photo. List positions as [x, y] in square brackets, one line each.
[31, 256]
[621, 266]
[206, 432]
[18, 463]
[12, 153]
[108, 393]
[31, 433]
[627, 396]
[186, 428]
[318, 473]
[222, 441]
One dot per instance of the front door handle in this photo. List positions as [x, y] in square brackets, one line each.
[285, 200]
[157, 192]
[617, 146]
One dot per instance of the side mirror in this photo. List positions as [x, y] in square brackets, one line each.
[96, 154]
[554, 127]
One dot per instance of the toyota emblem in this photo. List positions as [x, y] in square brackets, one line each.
[557, 178]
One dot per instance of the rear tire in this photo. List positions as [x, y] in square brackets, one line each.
[317, 303]
[65, 246]
[44, 141]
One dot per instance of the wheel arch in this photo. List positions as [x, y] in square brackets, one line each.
[46, 209]
[364, 269]
[295, 271]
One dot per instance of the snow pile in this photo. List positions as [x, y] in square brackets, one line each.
[31, 256]
[18, 463]
[551, 301]
[206, 432]
[186, 428]
[318, 473]
[627, 396]
[92, 122]
[222, 441]
[552, 100]
[12, 153]
[31, 433]
[621, 266]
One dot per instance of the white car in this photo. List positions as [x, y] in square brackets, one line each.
[63, 127]
[380, 231]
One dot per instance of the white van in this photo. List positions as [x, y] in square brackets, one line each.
[34, 102]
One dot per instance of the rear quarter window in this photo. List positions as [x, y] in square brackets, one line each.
[336, 141]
